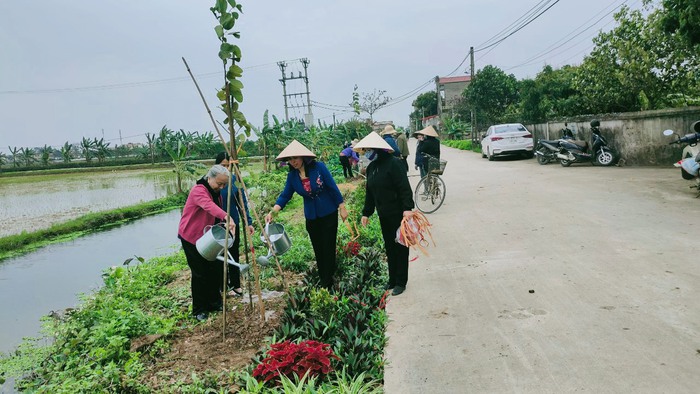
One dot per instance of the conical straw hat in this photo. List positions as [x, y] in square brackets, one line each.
[295, 148]
[388, 130]
[430, 130]
[373, 141]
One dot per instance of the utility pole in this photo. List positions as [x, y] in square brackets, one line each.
[308, 116]
[471, 80]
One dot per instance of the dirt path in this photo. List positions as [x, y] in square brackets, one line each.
[550, 279]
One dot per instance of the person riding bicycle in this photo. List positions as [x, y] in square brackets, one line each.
[428, 143]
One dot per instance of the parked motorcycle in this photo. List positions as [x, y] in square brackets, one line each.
[546, 151]
[572, 151]
[690, 157]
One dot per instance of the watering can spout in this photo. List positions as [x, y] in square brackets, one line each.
[264, 261]
[243, 267]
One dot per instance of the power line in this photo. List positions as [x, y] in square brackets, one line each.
[554, 46]
[528, 14]
[518, 29]
[123, 85]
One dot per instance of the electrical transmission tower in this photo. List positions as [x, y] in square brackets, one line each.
[308, 116]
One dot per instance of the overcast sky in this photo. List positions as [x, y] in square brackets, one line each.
[83, 68]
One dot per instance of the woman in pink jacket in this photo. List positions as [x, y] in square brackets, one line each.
[203, 209]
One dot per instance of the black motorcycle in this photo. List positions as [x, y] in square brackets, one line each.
[571, 151]
[546, 151]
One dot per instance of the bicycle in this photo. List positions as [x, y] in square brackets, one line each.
[430, 192]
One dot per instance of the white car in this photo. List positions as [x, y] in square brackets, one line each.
[507, 139]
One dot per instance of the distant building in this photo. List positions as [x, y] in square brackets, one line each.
[379, 125]
[449, 92]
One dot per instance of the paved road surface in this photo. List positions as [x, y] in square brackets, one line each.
[610, 255]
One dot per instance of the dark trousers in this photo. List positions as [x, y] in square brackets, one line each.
[233, 276]
[396, 254]
[323, 232]
[207, 277]
[347, 167]
[405, 162]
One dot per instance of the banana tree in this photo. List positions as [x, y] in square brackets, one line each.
[45, 153]
[87, 145]
[101, 149]
[14, 151]
[152, 140]
[181, 167]
[67, 152]
[28, 156]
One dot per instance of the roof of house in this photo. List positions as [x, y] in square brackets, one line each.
[464, 78]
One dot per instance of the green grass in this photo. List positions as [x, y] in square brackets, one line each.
[462, 145]
[15, 245]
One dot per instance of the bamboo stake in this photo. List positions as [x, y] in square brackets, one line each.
[228, 151]
[267, 239]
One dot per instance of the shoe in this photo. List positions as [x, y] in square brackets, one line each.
[235, 292]
[201, 317]
[397, 290]
[388, 286]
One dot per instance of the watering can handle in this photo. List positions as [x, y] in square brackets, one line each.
[206, 228]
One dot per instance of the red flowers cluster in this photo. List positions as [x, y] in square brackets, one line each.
[289, 358]
[352, 248]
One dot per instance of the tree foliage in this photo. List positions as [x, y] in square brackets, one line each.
[682, 17]
[493, 94]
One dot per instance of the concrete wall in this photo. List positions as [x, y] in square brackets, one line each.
[636, 136]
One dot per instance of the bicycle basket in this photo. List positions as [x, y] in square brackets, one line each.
[437, 166]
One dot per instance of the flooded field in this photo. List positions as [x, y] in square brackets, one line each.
[36, 202]
[52, 277]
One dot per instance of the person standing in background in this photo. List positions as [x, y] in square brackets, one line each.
[388, 135]
[347, 158]
[403, 147]
[233, 277]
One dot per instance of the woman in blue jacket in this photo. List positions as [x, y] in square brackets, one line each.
[322, 203]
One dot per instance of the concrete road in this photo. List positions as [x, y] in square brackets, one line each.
[552, 280]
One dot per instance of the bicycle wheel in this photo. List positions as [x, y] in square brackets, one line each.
[429, 194]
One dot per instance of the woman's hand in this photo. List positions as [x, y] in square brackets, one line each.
[231, 225]
[343, 212]
[364, 221]
[269, 216]
[251, 230]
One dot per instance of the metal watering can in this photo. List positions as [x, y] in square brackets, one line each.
[279, 242]
[211, 245]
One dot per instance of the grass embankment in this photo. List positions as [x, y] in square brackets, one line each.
[15, 245]
[462, 145]
[94, 345]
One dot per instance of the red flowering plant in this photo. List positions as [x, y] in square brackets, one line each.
[289, 359]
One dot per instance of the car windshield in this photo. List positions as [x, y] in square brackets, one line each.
[509, 128]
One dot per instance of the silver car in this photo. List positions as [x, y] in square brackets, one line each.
[507, 139]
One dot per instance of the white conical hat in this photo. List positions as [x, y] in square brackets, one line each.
[373, 141]
[295, 148]
[430, 130]
[388, 130]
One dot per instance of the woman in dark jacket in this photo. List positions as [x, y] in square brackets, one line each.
[427, 143]
[233, 278]
[389, 192]
[322, 202]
